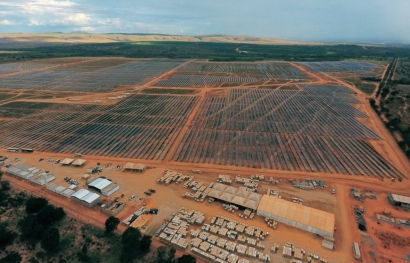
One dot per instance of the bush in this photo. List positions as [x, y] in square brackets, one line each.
[5, 185]
[51, 239]
[130, 240]
[34, 204]
[12, 257]
[30, 228]
[145, 243]
[186, 258]
[111, 224]
[49, 214]
[6, 236]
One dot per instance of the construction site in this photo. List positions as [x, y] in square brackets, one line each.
[262, 162]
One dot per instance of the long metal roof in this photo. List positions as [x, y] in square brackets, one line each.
[235, 195]
[401, 198]
[297, 213]
[91, 197]
[100, 183]
[81, 193]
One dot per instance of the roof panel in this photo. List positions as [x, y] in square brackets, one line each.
[81, 193]
[299, 213]
[100, 183]
[91, 197]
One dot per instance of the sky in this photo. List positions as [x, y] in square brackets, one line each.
[377, 21]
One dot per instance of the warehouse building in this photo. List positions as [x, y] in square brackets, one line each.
[399, 200]
[61, 190]
[86, 198]
[42, 178]
[297, 215]
[103, 186]
[237, 196]
[22, 170]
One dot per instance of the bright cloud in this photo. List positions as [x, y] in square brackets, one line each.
[5, 22]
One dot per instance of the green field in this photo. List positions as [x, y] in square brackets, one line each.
[209, 50]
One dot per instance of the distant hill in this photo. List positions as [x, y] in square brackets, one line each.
[30, 40]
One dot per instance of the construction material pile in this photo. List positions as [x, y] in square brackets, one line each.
[389, 238]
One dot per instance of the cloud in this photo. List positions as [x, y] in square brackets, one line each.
[292, 19]
[73, 19]
[5, 22]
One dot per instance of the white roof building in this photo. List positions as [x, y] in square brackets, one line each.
[104, 186]
[100, 183]
[86, 198]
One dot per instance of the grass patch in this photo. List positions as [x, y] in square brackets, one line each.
[169, 91]
[5, 96]
[366, 87]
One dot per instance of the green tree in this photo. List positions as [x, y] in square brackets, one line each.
[5, 185]
[34, 204]
[51, 239]
[12, 257]
[145, 243]
[83, 256]
[111, 224]
[165, 254]
[130, 240]
[49, 214]
[186, 258]
[30, 228]
[6, 236]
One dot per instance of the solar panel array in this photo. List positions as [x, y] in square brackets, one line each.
[264, 71]
[340, 66]
[200, 80]
[140, 126]
[16, 67]
[283, 129]
[136, 72]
